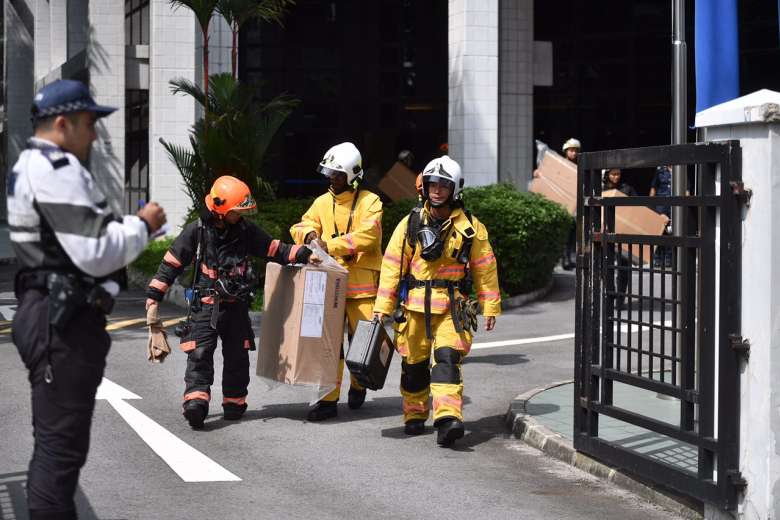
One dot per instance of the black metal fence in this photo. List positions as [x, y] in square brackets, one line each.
[666, 330]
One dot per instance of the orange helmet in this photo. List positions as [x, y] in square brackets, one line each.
[418, 184]
[229, 193]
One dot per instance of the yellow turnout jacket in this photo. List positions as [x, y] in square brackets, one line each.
[482, 264]
[359, 248]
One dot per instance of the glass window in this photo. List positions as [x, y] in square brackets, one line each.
[137, 22]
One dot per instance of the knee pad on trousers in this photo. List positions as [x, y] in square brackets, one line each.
[415, 377]
[447, 367]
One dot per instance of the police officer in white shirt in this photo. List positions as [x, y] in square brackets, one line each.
[67, 242]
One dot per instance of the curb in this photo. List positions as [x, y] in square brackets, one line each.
[526, 298]
[533, 433]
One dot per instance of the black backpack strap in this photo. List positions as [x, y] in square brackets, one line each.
[413, 226]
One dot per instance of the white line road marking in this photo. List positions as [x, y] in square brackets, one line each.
[524, 341]
[190, 464]
[8, 311]
[624, 329]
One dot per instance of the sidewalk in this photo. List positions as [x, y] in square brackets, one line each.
[544, 419]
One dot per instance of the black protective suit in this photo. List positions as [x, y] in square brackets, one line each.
[222, 294]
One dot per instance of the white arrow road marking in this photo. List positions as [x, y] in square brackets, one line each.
[8, 311]
[190, 464]
[624, 329]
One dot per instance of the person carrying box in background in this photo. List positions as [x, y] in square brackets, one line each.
[424, 285]
[219, 245]
[347, 223]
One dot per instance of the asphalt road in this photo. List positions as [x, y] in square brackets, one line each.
[358, 466]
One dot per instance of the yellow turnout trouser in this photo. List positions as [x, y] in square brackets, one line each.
[357, 309]
[442, 378]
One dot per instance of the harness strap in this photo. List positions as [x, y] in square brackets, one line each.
[454, 310]
[428, 332]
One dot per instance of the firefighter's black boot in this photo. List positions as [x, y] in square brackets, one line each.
[323, 410]
[356, 398]
[450, 430]
[195, 411]
[414, 427]
[233, 411]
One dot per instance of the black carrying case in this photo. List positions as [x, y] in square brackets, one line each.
[369, 354]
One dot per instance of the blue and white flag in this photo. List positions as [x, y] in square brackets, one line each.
[717, 52]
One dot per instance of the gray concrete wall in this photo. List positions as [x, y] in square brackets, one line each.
[106, 62]
[473, 88]
[172, 55]
[516, 89]
[19, 55]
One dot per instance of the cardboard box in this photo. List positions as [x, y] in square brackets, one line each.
[303, 325]
[637, 220]
[398, 183]
[557, 181]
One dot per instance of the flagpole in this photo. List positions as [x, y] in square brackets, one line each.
[679, 101]
[679, 136]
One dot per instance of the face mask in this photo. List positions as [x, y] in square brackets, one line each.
[430, 242]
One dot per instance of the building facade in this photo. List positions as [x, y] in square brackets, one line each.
[128, 50]
[467, 76]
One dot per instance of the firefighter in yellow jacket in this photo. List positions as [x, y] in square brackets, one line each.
[347, 223]
[434, 255]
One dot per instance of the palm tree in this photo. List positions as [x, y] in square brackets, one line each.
[240, 131]
[203, 11]
[238, 12]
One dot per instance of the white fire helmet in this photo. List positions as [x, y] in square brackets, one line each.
[344, 158]
[444, 168]
[572, 143]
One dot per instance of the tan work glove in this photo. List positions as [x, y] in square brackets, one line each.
[157, 347]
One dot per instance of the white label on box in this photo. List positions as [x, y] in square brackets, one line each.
[312, 320]
[313, 317]
[384, 353]
[314, 289]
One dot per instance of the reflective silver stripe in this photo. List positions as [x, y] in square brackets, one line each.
[23, 219]
[21, 236]
[75, 219]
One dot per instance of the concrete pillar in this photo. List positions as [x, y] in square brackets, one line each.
[516, 89]
[220, 46]
[19, 81]
[58, 33]
[106, 63]
[42, 38]
[473, 88]
[173, 55]
[750, 119]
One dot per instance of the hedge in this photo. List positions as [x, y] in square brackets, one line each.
[527, 232]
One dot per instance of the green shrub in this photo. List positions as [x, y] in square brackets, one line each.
[392, 213]
[149, 260]
[526, 230]
[276, 217]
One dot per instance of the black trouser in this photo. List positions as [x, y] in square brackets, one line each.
[62, 409]
[623, 272]
[235, 330]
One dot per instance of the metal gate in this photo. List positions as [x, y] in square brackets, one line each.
[676, 335]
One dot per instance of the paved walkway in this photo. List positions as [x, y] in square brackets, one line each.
[554, 408]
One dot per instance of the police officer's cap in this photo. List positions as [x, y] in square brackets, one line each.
[63, 97]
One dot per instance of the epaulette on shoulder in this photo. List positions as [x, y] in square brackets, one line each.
[56, 157]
